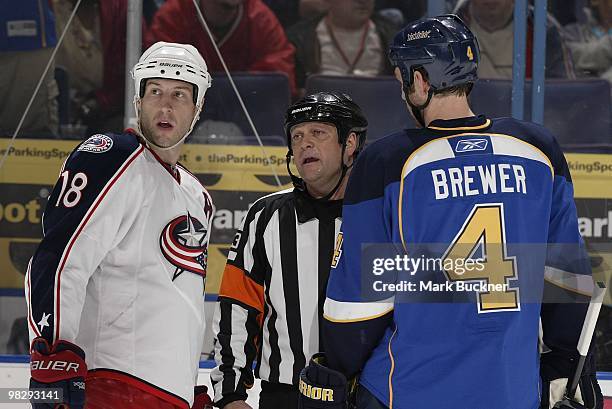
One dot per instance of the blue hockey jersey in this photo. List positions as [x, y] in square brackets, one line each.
[495, 192]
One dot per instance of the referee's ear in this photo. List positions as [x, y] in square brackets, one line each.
[351, 146]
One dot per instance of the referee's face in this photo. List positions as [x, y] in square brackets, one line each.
[317, 155]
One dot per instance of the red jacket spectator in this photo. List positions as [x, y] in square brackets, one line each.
[113, 20]
[256, 42]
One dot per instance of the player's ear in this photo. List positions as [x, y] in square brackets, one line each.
[420, 82]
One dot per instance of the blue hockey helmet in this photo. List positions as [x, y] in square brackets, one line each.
[444, 46]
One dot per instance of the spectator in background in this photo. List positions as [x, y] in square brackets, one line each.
[410, 9]
[149, 8]
[93, 54]
[347, 40]
[563, 10]
[591, 42]
[247, 33]
[290, 12]
[492, 23]
[27, 39]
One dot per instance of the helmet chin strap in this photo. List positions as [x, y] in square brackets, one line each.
[301, 185]
[417, 110]
[151, 142]
[298, 183]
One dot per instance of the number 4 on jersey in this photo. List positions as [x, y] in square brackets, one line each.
[484, 228]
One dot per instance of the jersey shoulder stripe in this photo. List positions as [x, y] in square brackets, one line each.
[84, 182]
[536, 135]
[79, 229]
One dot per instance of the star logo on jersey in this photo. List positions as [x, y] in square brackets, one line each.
[471, 145]
[44, 321]
[183, 244]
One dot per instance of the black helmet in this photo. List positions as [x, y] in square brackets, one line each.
[333, 107]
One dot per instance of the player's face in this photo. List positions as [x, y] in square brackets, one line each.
[166, 110]
[317, 154]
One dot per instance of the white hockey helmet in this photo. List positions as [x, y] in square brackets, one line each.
[173, 61]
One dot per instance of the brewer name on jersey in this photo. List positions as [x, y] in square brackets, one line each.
[479, 180]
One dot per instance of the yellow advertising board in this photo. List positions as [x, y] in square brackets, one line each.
[236, 176]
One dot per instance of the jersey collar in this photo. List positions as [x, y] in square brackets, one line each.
[473, 123]
[308, 208]
[172, 170]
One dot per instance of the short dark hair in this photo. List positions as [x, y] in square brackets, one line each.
[456, 90]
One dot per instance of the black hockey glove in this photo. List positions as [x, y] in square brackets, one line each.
[321, 387]
[555, 370]
[61, 366]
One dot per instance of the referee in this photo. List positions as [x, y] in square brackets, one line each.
[273, 288]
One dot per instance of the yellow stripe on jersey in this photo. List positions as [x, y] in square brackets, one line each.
[341, 311]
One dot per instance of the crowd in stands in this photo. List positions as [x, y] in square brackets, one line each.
[296, 37]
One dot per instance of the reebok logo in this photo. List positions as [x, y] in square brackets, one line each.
[471, 145]
[419, 35]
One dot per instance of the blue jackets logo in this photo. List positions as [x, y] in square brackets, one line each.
[98, 143]
[183, 243]
[471, 145]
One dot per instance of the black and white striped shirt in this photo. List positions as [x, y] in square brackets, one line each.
[272, 292]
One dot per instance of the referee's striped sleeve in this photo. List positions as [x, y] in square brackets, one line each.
[239, 313]
[272, 293]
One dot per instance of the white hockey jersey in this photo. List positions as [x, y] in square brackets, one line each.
[121, 268]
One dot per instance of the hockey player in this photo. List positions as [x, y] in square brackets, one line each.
[115, 288]
[273, 288]
[465, 188]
